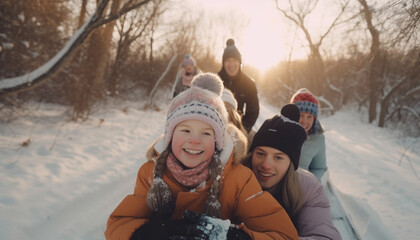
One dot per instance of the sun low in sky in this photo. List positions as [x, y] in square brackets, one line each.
[268, 37]
[266, 40]
[262, 45]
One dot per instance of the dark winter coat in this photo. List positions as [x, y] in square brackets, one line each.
[245, 91]
[314, 220]
[241, 197]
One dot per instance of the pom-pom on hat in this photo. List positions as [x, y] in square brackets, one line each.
[188, 60]
[291, 111]
[231, 51]
[227, 97]
[202, 101]
[283, 134]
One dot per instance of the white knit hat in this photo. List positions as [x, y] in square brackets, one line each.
[227, 97]
[202, 101]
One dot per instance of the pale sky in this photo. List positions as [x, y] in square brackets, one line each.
[266, 39]
[269, 36]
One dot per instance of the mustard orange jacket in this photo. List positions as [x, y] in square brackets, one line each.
[241, 197]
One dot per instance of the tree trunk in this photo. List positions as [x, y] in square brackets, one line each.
[375, 61]
[317, 77]
[91, 89]
[374, 72]
[103, 46]
[385, 102]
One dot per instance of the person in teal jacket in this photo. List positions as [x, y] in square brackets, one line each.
[313, 156]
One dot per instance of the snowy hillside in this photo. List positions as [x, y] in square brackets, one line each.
[61, 180]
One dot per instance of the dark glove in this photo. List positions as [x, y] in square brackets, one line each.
[160, 227]
[202, 227]
[235, 233]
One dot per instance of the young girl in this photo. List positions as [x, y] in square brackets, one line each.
[313, 157]
[274, 158]
[193, 186]
[185, 75]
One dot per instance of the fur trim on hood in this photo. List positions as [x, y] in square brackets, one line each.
[236, 141]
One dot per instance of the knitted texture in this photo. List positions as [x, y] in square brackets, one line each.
[291, 111]
[202, 101]
[227, 97]
[282, 134]
[231, 51]
[190, 177]
[188, 60]
[306, 102]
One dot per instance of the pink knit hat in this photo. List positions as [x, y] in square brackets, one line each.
[202, 101]
[188, 60]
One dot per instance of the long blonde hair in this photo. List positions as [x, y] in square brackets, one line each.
[235, 118]
[287, 192]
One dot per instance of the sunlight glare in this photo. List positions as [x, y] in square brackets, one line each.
[262, 46]
[266, 41]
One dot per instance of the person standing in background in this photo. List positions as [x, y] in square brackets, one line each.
[242, 86]
[313, 157]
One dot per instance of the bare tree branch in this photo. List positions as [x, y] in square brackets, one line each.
[45, 72]
[334, 23]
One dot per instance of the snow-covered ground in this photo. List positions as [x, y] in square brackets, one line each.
[61, 180]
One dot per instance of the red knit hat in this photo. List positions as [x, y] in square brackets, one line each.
[305, 101]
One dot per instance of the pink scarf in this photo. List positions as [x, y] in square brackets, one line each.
[191, 177]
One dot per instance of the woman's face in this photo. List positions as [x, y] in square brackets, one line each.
[269, 165]
[306, 120]
[193, 142]
[231, 66]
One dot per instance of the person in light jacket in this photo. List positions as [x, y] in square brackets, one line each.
[313, 157]
[274, 159]
[193, 185]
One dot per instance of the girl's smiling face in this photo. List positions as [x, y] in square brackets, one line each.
[193, 142]
[269, 165]
[306, 120]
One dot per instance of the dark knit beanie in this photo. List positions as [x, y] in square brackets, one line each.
[231, 51]
[282, 134]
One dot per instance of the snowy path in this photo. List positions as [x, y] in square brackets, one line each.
[382, 194]
[65, 183]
